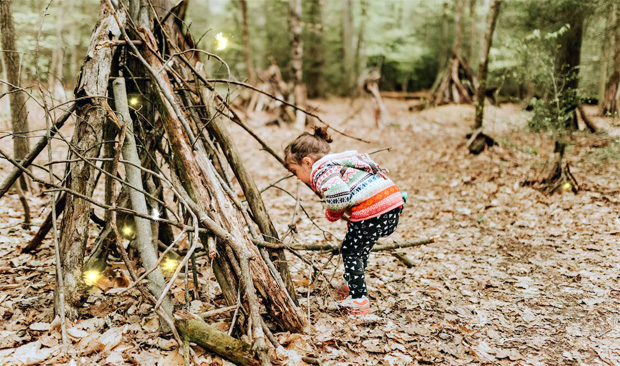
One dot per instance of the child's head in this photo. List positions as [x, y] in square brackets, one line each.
[306, 149]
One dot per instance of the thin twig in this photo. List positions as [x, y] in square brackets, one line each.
[286, 103]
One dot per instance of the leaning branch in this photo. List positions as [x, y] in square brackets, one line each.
[286, 103]
[17, 172]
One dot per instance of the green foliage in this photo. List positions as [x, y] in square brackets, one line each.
[37, 36]
[402, 37]
[554, 105]
[405, 42]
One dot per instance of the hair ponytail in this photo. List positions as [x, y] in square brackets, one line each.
[314, 145]
[321, 132]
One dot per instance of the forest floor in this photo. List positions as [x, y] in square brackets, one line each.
[513, 276]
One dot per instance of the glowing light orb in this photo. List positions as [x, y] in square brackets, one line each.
[91, 277]
[155, 214]
[221, 41]
[567, 186]
[170, 265]
[127, 231]
[134, 101]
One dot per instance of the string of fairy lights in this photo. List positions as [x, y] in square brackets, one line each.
[170, 264]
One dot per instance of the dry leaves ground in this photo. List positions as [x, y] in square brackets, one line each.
[513, 277]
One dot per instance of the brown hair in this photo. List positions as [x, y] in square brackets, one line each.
[314, 145]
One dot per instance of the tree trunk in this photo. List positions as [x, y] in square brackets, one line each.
[568, 59]
[443, 54]
[247, 53]
[19, 110]
[347, 43]
[360, 43]
[55, 75]
[484, 62]
[4, 89]
[472, 31]
[606, 54]
[611, 100]
[299, 90]
[457, 44]
[91, 94]
[315, 51]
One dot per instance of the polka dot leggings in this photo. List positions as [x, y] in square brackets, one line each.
[358, 242]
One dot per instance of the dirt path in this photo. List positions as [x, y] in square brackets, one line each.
[513, 277]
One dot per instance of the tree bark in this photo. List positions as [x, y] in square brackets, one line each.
[299, 90]
[484, 62]
[315, 52]
[568, 59]
[254, 199]
[145, 241]
[472, 30]
[17, 98]
[457, 44]
[196, 330]
[443, 54]
[4, 88]
[247, 53]
[611, 99]
[91, 93]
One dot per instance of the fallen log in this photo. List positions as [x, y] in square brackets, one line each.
[196, 330]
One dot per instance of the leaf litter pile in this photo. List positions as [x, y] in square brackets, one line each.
[513, 276]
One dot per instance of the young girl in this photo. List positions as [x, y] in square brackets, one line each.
[357, 190]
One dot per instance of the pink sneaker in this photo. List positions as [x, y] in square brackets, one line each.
[356, 306]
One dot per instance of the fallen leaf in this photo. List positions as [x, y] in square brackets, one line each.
[40, 327]
[9, 339]
[111, 338]
[152, 325]
[92, 324]
[114, 358]
[166, 344]
[89, 344]
[171, 359]
[32, 353]
[76, 333]
[144, 359]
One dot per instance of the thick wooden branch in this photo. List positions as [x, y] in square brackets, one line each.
[196, 330]
[144, 236]
[382, 245]
[253, 196]
[404, 258]
[216, 212]
[91, 90]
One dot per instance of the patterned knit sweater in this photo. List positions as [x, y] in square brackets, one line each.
[354, 182]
